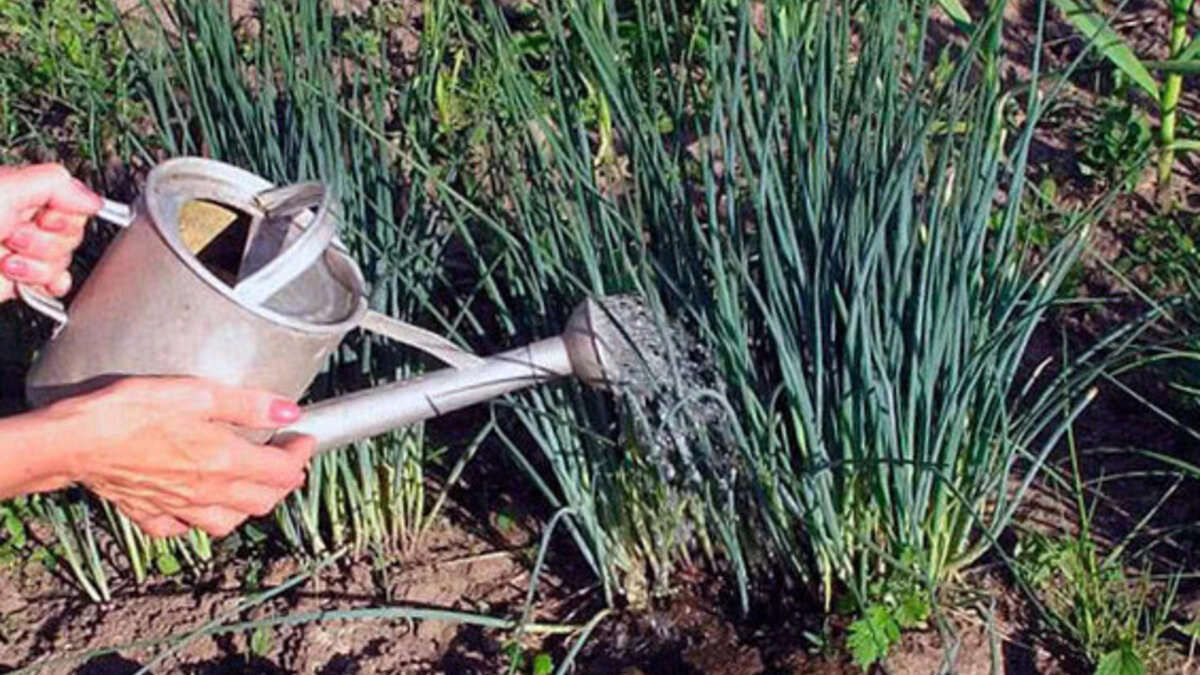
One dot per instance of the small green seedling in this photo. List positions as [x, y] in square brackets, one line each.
[167, 564]
[543, 664]
[898, 603]
[1117, 146]
[261, 641]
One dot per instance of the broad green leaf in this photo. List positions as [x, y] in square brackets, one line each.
[15, 529]
[912, 611]
[167, 564]
[956, 11]
[1123, 661]
[872, 636]
[260, 641]
[44, 557]
[1095, 28]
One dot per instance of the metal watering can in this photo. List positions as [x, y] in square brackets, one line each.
[155, 304]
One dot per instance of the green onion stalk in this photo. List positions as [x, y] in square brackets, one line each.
[1169, 97]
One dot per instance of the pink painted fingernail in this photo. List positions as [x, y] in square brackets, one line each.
[15, 266]
[284, 412]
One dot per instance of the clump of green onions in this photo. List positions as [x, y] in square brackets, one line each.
[839, 227]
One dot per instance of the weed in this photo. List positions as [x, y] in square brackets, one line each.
[261, 640]
[1110, 615]
[13, 538]
[897, 601]
[1163, 254]
[1115, 147]
[1166, 93]
[1115, 619]
[66, 82]
[871, 637]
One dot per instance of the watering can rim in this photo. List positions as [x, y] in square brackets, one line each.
[233, 177]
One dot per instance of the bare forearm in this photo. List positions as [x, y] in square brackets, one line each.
[34, 455]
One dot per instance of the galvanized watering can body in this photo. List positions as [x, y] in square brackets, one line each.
[151, 307]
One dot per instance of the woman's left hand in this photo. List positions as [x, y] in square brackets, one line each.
[43, 212]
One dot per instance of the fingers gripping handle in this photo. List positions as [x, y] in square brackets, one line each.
[50, 306]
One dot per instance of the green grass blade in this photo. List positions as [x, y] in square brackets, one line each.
[956, 11]
[1094, 27]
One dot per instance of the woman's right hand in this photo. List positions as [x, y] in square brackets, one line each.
[165, 451]
[43, 211]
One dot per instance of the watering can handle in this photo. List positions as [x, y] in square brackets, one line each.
[418, 338]
[50, 306]
[305, 248]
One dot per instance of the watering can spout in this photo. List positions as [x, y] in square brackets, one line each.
[583, 350]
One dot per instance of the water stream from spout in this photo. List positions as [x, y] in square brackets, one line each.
[670, 393]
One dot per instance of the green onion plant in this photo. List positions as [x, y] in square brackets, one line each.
[298, 102]
[836, 226]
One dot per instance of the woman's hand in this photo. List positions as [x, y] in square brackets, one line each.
[43, 211]
[164, 451]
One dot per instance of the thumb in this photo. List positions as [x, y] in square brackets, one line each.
[44, 185]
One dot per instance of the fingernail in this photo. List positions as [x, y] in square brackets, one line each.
[15, 266]
[284, 412]
[20, 239]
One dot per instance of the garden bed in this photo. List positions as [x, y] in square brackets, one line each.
[674, 608]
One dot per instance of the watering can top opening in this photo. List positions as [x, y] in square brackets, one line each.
[279, 258]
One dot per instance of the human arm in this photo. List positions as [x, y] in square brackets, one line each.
[164, 450]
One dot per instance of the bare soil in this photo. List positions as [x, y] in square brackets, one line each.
[45, 619]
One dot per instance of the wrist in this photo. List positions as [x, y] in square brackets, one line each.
[42, 450]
